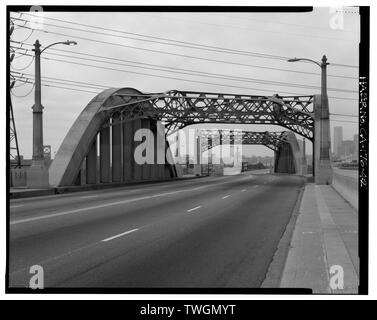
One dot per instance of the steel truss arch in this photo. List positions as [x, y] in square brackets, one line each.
[178, 109]
[271, 140]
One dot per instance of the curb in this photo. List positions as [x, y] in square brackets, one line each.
[34, 193]
[277, 264]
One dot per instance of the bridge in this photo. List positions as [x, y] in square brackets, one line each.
[112, 118]
[191, 232]
[162, 234]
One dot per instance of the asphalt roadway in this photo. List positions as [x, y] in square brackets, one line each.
[213, 232]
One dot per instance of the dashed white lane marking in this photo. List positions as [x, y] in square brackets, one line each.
[243, 190]
[53, 215]
[16, 206]
[136, 190]
[193, 209]
[256, 186]
[88, 197]
[120, 235]
[224, 197]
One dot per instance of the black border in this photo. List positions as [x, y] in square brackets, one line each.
[364, 149]
[363, 127]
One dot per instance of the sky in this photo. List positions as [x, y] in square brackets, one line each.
[306, 35]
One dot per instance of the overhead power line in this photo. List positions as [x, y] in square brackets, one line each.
[173, 41]
[60, 87]
[65, 82]
[27, 80]
[31, 77]
[78, 83]
[204, 74]
[168, 77]
[167, 67]
[25, 95]
[164, 52]
[344, 115]
[27, 38]
[259, 30]
[27, 66]
[346, 121]
[264, 21]
[214, 75]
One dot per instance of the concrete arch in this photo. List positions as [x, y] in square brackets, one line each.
[64, 169]
[289, 157]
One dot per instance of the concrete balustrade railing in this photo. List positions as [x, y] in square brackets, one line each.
[346, 182]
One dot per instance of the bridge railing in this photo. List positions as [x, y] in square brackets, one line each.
[346, 182]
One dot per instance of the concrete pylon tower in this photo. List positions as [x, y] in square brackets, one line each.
[322, 154]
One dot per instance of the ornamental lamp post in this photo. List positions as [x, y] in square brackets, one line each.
[321, 144]
[37, 107]
[37, 175]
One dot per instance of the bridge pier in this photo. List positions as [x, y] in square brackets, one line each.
[322, 156]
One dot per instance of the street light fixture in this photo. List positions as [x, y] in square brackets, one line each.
[67, 43]
[38, 173]
[323, 65]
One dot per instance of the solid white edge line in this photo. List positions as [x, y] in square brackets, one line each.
[227, 196]
[120, 235]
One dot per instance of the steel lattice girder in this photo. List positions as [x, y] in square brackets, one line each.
[178, 109]
[271, 140]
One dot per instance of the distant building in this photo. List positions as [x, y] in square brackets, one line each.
[346, 151]
[338, 139]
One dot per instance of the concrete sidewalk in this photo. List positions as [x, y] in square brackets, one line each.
[324, 243]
